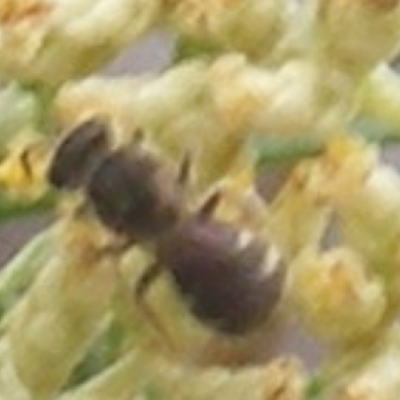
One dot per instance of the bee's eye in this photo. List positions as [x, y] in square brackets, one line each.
[76, 156]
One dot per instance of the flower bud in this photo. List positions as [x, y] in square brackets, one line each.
[62, 312]
[23, 170]
[380, 97]
[252, 27]
[50, 41]
[18, 111]
[359, 33]
[366, 198]
[300, 203]
[299, 97]
[335, 294]
[377, 378]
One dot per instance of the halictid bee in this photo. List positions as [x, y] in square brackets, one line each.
[219, 268]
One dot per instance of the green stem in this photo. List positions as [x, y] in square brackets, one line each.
[277, 152]
[288, 151]
[16, 209]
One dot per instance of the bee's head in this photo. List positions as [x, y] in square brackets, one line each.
[78, 154]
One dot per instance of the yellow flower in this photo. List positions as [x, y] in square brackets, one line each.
[253, 26]
[377, 377]
[335, 294]
[359, 33]
[23, 170]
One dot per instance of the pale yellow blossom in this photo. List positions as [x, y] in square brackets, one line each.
[358, 34]
[51, 41]
[62, 312]
[377, 378]
[282, 379]
[252, 27]
[335, 294]
[23, 169]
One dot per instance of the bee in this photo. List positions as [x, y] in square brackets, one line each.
[218, 268]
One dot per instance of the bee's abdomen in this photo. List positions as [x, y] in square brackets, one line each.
[225, 286]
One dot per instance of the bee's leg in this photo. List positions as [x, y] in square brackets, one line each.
[142, 286]
[209, 205]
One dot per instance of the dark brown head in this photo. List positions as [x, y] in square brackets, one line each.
[222, 272]
[131, 195]
[78, 154]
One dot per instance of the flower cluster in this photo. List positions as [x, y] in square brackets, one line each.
[255, 87]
